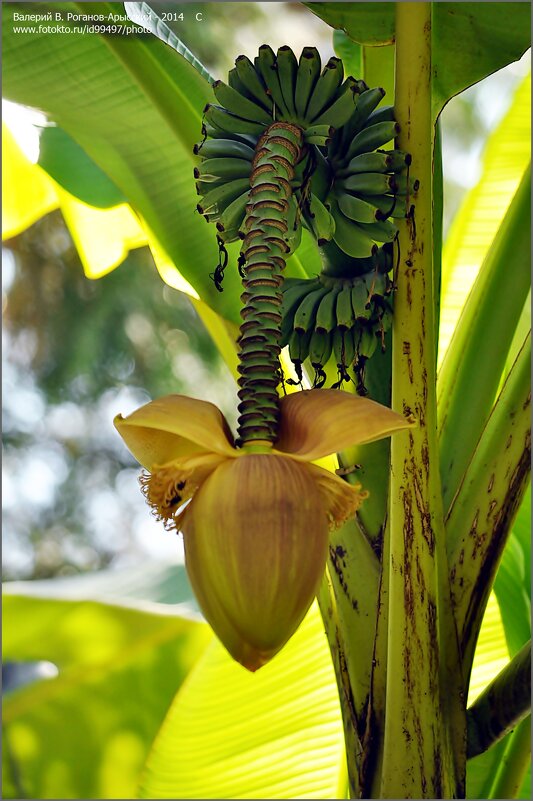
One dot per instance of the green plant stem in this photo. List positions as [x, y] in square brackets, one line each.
[477, 353]
[328, 608]
[417, 752]
[372, 762]
[502, 704]
[514, 764]
[483, 510]
[348, 603]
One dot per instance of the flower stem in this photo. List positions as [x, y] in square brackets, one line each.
[264, 252]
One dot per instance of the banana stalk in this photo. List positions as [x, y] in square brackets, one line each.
[418, 752]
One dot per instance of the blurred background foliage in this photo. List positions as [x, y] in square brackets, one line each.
[77, 351]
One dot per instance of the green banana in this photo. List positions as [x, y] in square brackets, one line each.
[366, 103]
[357, 209]
[266, 65]
[350, 237]
[318, 134]
[250, 78]
[344, 311]
[383, 114]
[294, 290]
[203, 187]
[219, 118]
[238, 104]
[372, 137]
[406, 185]
[342, 107]
[321, 175]
[304, 318]
[343, 347]
[385, 318]
[299, 348]
[217, 133]
[377, 161]
[381, 231]
[218, 198]
[325, 89]
[232, 218]
[367, 343]
[326, 319]
[287, 71]
[235, 82]
[306, 78]
[360, 300]
[321, 222]
[224, 148]
[369, 183]
[226, 168]
[377, 284]
[387, 205]
[320, 346]
[291, 298]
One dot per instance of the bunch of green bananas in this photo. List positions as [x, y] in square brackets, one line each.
[338, 319]
[320, 102]
[344, 189]
[275, 87]
[367, 188]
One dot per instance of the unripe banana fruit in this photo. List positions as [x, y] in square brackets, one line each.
[339, 118]
[344, 319]
[338, 175]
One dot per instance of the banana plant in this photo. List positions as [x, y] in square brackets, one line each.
[291, 171]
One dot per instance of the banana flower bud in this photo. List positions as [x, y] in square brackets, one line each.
[255, 520]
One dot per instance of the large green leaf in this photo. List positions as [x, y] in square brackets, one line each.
[481, 341]
[365, 23]
[85, 733]
[512, 590]
[69, 165]
[273, 734]
[143, 15]
[506, 156]
[470, 40]
[473, 40]
[135, 106]
[153, 580]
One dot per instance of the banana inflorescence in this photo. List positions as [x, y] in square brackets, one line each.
[292, 144]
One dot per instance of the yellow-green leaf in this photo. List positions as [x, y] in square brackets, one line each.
[506, 157]
[85, 732]
[273, 734]
[27, 191]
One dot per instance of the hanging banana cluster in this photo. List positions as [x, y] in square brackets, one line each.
[334, 182]
[337, 318]
[272, 88]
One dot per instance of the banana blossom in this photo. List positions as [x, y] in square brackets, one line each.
[256, 519]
